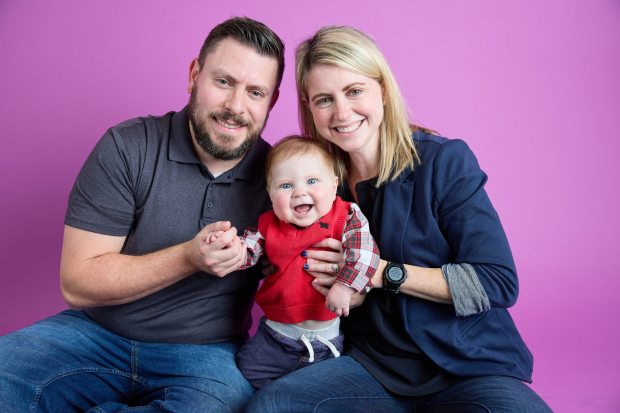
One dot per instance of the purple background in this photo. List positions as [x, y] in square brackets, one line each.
[533, 87]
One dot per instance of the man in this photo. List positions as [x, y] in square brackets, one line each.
[160, 325]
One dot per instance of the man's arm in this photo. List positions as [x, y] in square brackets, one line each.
[94, 273]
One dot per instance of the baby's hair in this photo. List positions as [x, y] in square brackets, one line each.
[296, 145]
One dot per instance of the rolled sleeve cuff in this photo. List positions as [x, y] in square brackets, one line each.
[467, 292]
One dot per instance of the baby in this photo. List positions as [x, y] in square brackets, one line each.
[298, 320]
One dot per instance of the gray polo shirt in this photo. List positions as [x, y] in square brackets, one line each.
[144, 181]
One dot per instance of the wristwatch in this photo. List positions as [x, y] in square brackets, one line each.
[394, 275]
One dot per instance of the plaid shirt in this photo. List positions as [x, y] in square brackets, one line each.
[361, 255]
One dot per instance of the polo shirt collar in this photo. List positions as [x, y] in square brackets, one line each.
[180, 149]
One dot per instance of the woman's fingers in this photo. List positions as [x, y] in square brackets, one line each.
[330, 243]
[320, 287]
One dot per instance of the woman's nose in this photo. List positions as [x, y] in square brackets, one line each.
[342, 110]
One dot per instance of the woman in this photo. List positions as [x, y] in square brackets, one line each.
[434, 334]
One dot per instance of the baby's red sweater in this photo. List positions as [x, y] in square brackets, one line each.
[287, 296]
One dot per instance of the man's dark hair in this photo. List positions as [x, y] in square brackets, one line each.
[249, 33]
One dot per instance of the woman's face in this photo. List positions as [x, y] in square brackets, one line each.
[347, 108]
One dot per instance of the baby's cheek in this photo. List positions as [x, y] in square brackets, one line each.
[280, 207]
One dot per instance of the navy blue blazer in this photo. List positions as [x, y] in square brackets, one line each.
[440, 213]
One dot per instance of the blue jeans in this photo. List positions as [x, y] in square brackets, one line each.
[68, 363]
[343, 385]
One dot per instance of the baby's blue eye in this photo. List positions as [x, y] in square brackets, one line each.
[286, 186]
[311, 181]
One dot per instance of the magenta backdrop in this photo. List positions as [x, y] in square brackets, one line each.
[533, 87]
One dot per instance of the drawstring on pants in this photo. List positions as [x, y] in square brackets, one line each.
[306, 336]
[327, 343]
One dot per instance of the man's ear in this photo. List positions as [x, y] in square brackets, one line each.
[274, 99]
[194, 70]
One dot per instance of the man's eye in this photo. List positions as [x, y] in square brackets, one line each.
[257, 93]
[222, 82]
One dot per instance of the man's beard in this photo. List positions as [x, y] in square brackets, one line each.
[198, 118]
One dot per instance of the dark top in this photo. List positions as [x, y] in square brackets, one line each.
[437, 214]
[144, 181]
[386, 351]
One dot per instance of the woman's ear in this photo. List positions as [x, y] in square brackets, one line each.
[335, 186]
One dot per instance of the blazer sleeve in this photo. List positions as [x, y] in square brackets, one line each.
[470, 224]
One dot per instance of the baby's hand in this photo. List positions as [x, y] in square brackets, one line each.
[212, 236]
[339, 298]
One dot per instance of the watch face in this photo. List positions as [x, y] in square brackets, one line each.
[394, 274]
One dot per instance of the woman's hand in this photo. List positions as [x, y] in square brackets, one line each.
[325, 264]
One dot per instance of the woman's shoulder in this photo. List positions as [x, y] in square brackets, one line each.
[429, 145]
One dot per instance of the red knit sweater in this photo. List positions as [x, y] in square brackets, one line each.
[287, 296]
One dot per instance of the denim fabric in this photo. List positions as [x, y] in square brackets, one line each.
[343, 385]
[68, 363]
[270, 355]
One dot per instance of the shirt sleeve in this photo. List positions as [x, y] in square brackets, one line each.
[255, 244]
[468, 295]
[361, 254]
[102, 199]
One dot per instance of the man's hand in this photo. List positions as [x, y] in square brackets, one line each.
[216, 249]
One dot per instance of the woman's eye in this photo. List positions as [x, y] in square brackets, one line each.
[323, 101]
[355, 92]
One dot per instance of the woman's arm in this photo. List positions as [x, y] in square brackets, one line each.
[426, 283]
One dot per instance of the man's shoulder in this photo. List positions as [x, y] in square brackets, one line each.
[143, 126]
[136, 137]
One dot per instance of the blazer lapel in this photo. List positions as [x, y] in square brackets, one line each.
[398, 198]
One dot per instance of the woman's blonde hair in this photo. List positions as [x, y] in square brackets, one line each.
[351, 49]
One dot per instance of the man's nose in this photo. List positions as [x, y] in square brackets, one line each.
[235, 102]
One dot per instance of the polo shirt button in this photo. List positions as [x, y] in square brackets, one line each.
[210, 204]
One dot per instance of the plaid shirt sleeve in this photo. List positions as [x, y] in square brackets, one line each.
[361, 254]
[255, 246]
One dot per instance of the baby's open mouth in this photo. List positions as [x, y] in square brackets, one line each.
[303, 208]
